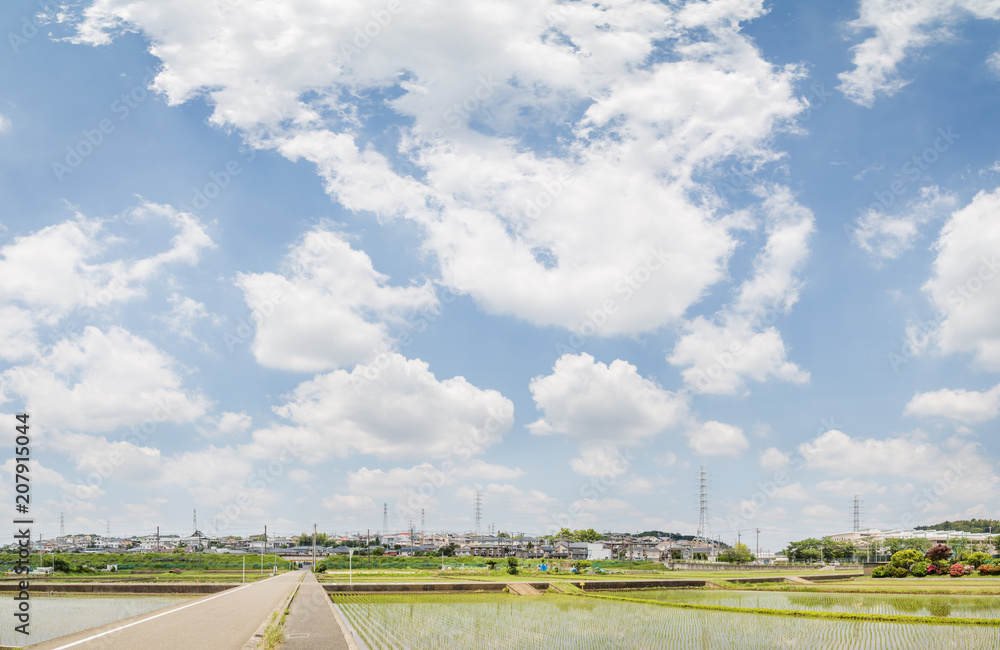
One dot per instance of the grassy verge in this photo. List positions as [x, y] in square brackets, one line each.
[274, 634]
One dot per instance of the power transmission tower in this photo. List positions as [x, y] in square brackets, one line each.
[62, 526]
[423, 528]
[479, 510]
[385, 519]
[703, 532]
[195, 522]
[108, 531]
[857, 513]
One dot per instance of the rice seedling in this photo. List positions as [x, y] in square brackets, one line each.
[55, 616]
[880, 604]
[556, 621]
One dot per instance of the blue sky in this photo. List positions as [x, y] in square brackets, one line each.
[259, 261]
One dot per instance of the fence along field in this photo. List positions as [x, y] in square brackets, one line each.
[558, 621]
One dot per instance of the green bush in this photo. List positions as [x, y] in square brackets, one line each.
[976, 559]
[898, 572]
[919, 569]
[906, 558]
[880, 572]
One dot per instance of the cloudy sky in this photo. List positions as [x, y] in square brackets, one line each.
[286, 261]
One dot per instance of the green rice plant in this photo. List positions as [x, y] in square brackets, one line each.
[495, 621]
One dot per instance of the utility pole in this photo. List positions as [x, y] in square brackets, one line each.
[262, 550]
[157, 539]
[314, 549]
[757, 554]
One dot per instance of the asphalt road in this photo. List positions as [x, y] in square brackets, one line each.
[311, 623]
[223, 621]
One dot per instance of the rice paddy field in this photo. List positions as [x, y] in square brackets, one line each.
[55, 616]
[563, 621]
[881, 604]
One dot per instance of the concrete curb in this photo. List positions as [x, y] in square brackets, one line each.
[258, 635]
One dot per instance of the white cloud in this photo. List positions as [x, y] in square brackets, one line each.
[722, 353]
[350, 503]
[327, 310]
[773, 459]
[65, 266]
[227, 424]
[886, 237]
[902, 28]
[183, 316]
[644, 97]
[402, 411]
[822, 512]
[4, 123]
[18, 340]
[717, 439]
[594, 403]
[993, 62]
[850, 487]
[97, 381]
[968, 406]
[964, 286]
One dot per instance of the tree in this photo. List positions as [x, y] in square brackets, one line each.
[581, 565]
[449, 550]
[492, 564]
[738, 555]
[938, 553]
[589, 535]
[378, 551]
[917, 544]
[61, 565]
[530, 546]
[512, 565]
[565, 533]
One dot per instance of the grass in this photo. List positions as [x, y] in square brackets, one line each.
[956, 586]
[274, 633]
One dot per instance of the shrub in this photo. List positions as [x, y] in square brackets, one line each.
[932, 569]
[898, 571]
[906, 558]
[919, 569]
[880, 572]
[976, 559]
[938, 553]
[957, 570]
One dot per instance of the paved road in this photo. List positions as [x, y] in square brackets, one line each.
[223, 621]
[311, 623]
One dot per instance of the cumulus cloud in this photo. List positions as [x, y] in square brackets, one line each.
[738, 343]
[99, 380]
[328, 308]
[964, 286]
[714, 438]
[887, 236]
[226, 424]
[967, 406]
[602, 407]
[561, 144]
[773, 459]
[4, 123]
[850, 486]
[400, 410]
[901, 29]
